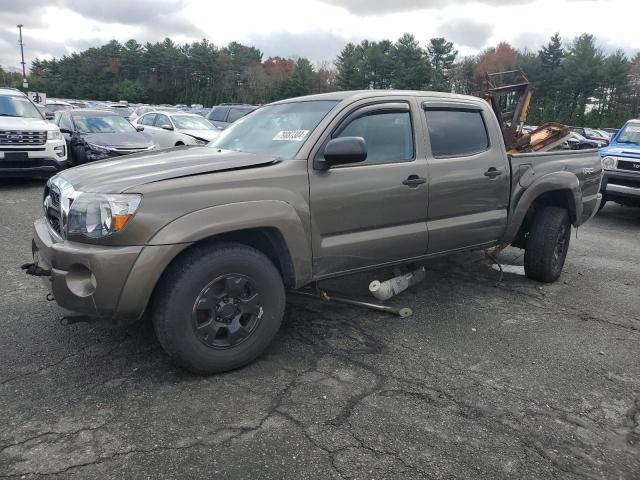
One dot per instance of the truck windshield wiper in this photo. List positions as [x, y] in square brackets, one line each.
[8, 115]
[627, 141]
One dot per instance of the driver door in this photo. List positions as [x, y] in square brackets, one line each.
[373, 212]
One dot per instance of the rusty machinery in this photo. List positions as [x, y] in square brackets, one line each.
[509, 95]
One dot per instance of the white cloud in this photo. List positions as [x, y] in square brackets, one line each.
[313, 28]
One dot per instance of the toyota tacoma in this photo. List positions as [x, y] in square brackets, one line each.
[207, 239]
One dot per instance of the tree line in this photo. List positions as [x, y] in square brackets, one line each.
[575, 82]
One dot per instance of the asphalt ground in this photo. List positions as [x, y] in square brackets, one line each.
[488, 379]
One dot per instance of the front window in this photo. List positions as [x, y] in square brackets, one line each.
[102, 124]
[11, 106]
[275, 130]
[189, 122]
[630, 134]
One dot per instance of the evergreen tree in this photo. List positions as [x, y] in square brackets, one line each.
[410, 68]
[441, 57]
[348, 65]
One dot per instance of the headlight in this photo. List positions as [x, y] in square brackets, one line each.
[198, 141]
[97, 148]
[609, 163]
[54, 135]
[96, 215]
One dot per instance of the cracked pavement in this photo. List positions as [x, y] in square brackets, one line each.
[486, 380]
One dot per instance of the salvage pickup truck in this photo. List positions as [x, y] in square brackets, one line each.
[208, 239]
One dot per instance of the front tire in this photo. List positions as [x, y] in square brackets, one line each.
[218, 307]
[547, 244]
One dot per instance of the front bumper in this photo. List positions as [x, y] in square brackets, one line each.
[40, 159]
[621, 185]
[113, 283]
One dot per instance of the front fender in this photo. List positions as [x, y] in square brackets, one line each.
[523, 198]
[233, 217]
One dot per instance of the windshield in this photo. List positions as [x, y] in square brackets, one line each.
[102, 124]
[11, 106]
[630, 134]
[275, 130]
[191, 122]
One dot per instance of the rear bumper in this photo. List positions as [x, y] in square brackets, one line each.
[112, 283]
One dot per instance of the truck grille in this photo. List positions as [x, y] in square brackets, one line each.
[18, 137]
[629, 165]
[52, 208]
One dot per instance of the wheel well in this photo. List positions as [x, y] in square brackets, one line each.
[179, 143]
[268, 240]
[554, 198]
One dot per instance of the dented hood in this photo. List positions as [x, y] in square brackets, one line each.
[124, 173]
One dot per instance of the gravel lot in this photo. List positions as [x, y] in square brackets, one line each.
[515, 380]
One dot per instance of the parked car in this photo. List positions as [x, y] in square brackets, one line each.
[140, 110]
[578, 142]
[208, 239]
[29, 144]
[93, 135]
[590, 133]
[225, 114]
[171, 129]
[55, 105]
[120, 108]
[611, 131]
[621, 162]
[46, 113]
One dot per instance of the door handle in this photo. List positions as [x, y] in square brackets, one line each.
[493, 172]
[413, 181]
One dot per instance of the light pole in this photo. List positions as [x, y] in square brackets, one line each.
[25, 84]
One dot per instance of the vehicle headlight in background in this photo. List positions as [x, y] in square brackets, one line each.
[54, 135]
[97, 148]
[198, 141]
[609, 163]
[97, 215]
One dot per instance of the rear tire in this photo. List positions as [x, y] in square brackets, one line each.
[218, 307]
[547, 244]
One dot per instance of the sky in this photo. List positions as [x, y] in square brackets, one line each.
[316, 29]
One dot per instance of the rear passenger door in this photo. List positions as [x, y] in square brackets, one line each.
[468, 176]
[372, 212]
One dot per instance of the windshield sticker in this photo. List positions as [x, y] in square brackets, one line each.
[291, 135]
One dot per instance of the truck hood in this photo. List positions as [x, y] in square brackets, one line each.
[621, 150]
[124, 173]
[23, 123]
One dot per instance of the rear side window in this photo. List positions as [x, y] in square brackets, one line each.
[218, 114]
[148, 119]
[162, 121]
[456, 132]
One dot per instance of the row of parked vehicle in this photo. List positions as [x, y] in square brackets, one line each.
[44, 139]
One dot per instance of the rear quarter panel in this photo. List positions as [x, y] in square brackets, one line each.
[533, 174]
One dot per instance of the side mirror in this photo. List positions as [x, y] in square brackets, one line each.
[342, 151]
[65, 130]
[49, 115]
[140, 128]
[166, 127]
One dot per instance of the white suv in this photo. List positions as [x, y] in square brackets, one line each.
[29, 145]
